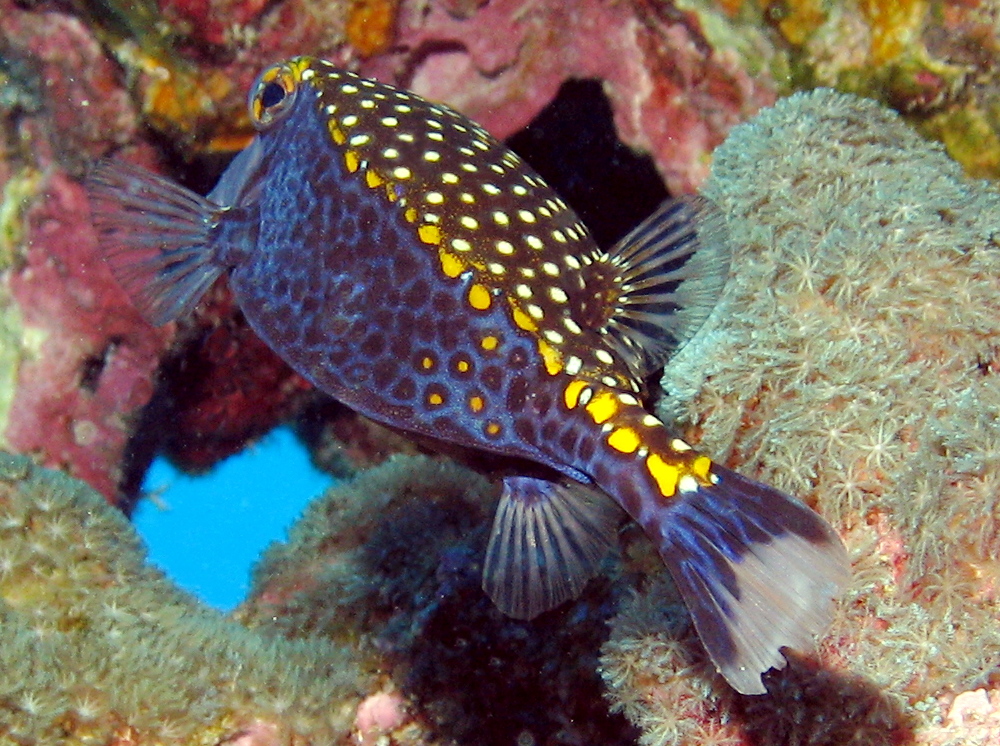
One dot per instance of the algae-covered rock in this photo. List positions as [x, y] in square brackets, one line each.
[97, 647]
[854, 364]
[389, 564]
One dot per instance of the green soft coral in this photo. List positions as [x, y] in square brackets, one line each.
[99, 647]
[855, 363]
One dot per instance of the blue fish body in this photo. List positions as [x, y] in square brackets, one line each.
[405, 262]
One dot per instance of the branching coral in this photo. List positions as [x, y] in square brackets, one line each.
[855, 365]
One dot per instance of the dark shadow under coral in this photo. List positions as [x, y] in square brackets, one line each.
[573, 144]
[808, 706]
[477, 676]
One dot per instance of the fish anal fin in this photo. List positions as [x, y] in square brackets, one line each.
[548, 540]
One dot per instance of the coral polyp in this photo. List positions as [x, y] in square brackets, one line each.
[855, 364]
[98, 647]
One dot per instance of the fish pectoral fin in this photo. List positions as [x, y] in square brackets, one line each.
[548, 540]
[758, 570]
[154, 235]
[672, 269]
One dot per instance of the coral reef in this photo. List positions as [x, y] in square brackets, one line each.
[933, 60]
[97, 647]
[76, 360]
[78, 364]
[389, 564]
[854, 363]
[221, 387]
[676, 77]
[673, 94]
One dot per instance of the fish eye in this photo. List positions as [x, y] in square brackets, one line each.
[272, 95]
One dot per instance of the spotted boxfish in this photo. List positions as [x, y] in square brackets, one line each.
[411, 266]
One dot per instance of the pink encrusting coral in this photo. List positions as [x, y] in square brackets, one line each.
[673, 94]
[853, 363]
[89, 359]
[78, 361]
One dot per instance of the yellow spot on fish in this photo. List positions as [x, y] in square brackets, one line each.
[665, 475]
[523, 320]
[427, 363]
[462, 366]
[435, 399]
[489, 343]
[625, 440]
[700, 467]
[479, 297]
[476, 404]
[493, 428]
[373, 179]
[352, 161]
[429, 234]
[337, 134]
[410, 214]
[571, 394]
[602, 407]
[451, 265]
[552, 359]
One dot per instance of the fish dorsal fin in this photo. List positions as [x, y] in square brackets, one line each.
[669, 272]
[548, 540]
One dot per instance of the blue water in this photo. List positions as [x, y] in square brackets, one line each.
[206, 532]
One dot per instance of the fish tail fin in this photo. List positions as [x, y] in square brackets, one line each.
[758, 571]
[155, 236]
